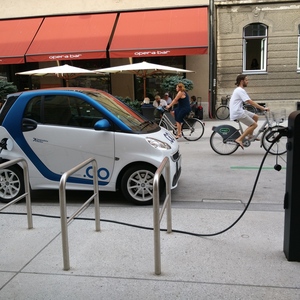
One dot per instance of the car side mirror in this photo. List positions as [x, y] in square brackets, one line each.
[102, 125]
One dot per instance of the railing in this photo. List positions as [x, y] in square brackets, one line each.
[26, 188]
[157, 213]
[63, 210]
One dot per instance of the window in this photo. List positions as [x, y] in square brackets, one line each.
[97, 81]
[33, 109]
[62, 111]
[298, 63]
[83, 114]
[255, 48]
[3, 75]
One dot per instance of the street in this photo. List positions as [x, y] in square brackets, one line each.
[209, 180]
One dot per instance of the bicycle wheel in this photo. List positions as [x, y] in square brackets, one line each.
[166, 126]
[163, 124]
[222, 112]
[219, 146]
[268, 137]
[250, 108]
[192, 129]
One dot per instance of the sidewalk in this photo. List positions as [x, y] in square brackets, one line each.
[245, 262]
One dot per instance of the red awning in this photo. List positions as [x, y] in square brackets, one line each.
[72, 38]
[15, 38]
[161, 33]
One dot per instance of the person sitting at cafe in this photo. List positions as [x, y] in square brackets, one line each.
[146, 103]
[158, 102]
[167, 98]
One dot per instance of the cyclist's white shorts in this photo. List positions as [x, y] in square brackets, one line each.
[248, 118]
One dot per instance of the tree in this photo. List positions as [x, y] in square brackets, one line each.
[170, 83]
[7, 88]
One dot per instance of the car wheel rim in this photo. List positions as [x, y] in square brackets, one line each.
[140, 185]
[9, 184]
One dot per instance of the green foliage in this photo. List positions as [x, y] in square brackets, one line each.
[134, 104]
[7, 88]
[170, 83]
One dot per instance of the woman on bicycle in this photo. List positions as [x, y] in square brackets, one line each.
[238, 98]
[183, 108]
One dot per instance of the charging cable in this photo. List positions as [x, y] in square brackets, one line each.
[280, 134]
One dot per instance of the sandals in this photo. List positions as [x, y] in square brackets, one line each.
[250, 137]
[240, 144]
[178, 136]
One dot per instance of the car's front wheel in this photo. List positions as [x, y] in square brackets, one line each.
[137, 184]
[11, 183]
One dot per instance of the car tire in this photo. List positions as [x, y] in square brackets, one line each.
[137, 184]
[11, 183]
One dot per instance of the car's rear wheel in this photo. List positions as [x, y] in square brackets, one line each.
[137, 184]
[11, 183]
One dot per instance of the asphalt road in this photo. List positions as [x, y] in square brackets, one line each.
[209, 180]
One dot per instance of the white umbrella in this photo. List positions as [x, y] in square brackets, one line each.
[144, 70]
[66, 72]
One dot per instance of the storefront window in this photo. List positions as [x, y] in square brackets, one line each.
[101, 82]
[3, 75]
[153, 83]
[255, 48]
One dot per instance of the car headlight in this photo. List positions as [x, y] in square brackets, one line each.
[158, 144]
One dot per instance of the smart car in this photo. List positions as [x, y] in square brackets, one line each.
[56, 129]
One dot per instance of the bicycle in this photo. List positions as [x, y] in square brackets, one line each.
[222, 112]
[222, 140]
[192, 128]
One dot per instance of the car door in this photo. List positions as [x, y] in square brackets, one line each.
[65, 136]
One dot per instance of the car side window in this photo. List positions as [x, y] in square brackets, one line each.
[33, 109]
[84, 114]
[62, 110]
[56, 110]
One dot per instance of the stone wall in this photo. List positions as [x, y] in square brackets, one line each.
[279, 86]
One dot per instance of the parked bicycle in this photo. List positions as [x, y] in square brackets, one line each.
[222, 139]
[192, 128]
[222, 112]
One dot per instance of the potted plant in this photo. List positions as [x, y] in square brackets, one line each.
[7, 88]
[169, 84]
[134, 104]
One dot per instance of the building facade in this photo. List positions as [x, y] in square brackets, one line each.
[236, 34]
[260, 39]
[174, 33]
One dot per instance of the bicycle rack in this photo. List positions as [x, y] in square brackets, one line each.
[157, 213]
[63, 209]
[26, 187]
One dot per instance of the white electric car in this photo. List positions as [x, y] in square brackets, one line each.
[54, 130]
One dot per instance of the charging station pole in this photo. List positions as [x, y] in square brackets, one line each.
[291, 243]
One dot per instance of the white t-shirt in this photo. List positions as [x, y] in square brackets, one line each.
[169, 100]
[239, 96]
[161, 104]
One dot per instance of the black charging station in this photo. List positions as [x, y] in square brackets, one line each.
[291, 243]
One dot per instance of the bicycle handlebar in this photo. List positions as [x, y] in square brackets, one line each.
[162, 108]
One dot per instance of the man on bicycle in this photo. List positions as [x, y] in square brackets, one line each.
[237, 112]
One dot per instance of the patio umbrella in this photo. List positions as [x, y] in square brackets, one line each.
[144, 70]
[66, 72]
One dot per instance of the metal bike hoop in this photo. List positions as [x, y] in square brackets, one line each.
[157, 213]
[26, 187]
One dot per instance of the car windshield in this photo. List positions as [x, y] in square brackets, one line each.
[128, 116]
